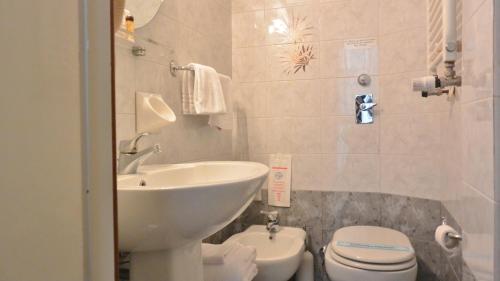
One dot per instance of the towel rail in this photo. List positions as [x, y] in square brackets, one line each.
[174, 67]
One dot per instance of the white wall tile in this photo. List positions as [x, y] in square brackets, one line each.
[478, 55]
[306, 172]
[280, 135]
[257, 135]
[125, 81]
[410, 134]
[253, 98]
[305, 135]
[351, 172]
[397, 15]
[249, 29]
[410, 175]
[403, 51]
[300, 98]
[349, 19]
[329, 134]
[478, 230]
[470, 7]
[270, 4]
[353, 138]
[477, 137]
[247, 5]
[249, 64]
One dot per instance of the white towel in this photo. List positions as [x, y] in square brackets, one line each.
[251, 272]
[240, 253]
[238, 263]
[188, 92]
[229, 273]
[206, 94]
[215, 254]
[224, 121]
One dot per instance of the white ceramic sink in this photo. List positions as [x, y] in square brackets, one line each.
[278, 258]
[165, 211]
[182, 203]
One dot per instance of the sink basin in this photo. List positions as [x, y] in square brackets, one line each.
[168, 206]
[165, 211]
[278, 258]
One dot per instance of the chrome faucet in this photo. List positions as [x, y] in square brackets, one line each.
[130, 158]
[272, 222]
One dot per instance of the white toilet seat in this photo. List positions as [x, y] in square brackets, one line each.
[371, 266]
[370, 253]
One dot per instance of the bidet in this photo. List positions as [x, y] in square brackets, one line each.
[279, 258]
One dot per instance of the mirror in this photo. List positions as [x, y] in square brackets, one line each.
[118, 7]
[143, 11]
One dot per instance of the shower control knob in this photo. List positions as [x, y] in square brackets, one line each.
[364, 80]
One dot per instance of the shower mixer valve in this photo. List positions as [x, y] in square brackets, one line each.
[364, 108]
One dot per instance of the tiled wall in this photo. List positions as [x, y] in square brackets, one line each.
[468, 142]
[439, 148]
[311, 114]
[185, 31]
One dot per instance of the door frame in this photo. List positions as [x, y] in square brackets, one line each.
[99, 151]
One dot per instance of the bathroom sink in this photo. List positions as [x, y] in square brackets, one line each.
[166, 207]
[278, 258]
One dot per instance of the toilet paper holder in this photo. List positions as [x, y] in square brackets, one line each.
[450, 235]
[452, 238]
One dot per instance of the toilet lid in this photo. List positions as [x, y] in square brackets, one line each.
[371, 244]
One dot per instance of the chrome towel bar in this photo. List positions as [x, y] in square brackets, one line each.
[174, 67]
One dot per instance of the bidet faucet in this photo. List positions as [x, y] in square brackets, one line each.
[130, 158]
[272, 222]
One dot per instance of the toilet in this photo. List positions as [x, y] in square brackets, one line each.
[370, 253]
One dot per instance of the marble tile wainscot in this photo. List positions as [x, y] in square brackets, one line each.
[322, 213]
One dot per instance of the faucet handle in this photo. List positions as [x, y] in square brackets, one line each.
[271, 215]
[367, 105]
[157, 148]
[130, 146]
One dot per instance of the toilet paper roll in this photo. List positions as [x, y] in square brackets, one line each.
[443, 240]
